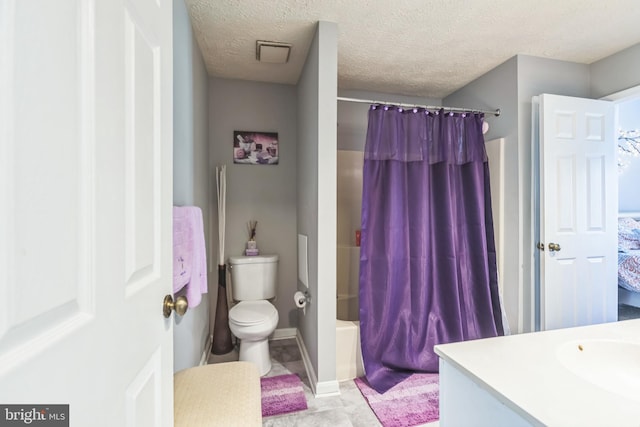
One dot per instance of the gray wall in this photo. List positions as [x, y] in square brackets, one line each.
[190, 171]
[537, 76]
[616, 72]
[510, 87]
[316, 92]
[265, 193]
[307, 190]
[499, 89]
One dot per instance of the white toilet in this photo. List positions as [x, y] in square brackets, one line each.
[253, 318]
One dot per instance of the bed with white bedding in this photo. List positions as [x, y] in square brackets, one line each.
[629, 259]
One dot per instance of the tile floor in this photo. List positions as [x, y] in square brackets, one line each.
[347, 409]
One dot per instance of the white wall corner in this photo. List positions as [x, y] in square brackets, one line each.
[308, 366]
[327, 389]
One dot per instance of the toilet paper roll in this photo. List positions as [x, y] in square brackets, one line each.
[300, 299]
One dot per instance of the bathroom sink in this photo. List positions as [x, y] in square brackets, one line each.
[610, 364]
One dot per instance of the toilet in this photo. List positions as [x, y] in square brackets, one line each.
[254, 318]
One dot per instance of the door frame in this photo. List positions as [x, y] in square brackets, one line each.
[618, 98]
[623, 95]
[533, 254]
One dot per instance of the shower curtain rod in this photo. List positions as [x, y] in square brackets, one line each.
[426, 107]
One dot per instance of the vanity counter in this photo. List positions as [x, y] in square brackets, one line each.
[564, 377]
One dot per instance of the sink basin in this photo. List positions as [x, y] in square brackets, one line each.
[610, 364]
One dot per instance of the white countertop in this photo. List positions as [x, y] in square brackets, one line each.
[524, 372]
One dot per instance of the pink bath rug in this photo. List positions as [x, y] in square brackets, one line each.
[282, 394]
[412, 402]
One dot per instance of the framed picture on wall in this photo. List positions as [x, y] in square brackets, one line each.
[255, 148]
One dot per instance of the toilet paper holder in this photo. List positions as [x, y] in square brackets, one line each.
[302, 298]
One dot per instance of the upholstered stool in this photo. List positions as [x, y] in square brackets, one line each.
[221, 394]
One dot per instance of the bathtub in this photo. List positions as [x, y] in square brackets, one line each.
[348, 353]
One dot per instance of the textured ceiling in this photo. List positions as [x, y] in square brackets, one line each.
[412, 47]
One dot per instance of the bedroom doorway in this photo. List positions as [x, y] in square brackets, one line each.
[628, 134]
[626, 104]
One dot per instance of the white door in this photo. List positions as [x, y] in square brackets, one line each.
[85, 209]
[578, 212]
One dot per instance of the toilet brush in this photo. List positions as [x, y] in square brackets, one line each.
[222, 343]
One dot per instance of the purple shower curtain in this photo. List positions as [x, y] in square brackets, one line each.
[428, 270]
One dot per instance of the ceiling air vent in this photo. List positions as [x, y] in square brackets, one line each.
[272, 52]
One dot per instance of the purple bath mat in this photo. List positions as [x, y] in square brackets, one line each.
[282, 394]
[412, 402]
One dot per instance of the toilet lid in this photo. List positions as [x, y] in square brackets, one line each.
[251, 312]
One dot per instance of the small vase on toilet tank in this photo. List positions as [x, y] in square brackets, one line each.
[252, 248]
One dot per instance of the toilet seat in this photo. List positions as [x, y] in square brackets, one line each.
[249, 313]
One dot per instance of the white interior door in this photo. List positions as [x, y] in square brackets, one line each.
[85, 209]
[578, 212]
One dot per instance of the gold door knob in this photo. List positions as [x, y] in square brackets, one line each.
[180, 305]
[554, 247]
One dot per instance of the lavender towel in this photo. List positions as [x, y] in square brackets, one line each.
[189, 254]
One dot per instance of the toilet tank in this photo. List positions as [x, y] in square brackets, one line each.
[253, 277]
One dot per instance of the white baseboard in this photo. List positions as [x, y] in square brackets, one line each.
[313, 379]
[206, 350]
[284, 333]
[327, 388]
[319, 389]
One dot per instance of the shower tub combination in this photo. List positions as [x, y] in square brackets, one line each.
[348, 354]
[349, 185]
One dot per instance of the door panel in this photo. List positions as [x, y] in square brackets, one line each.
[596, 196]
[142, 148]
[38, 137]
[578, 211]
[565, 221]
[565, 293]
[85, 208]
[144, 395]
